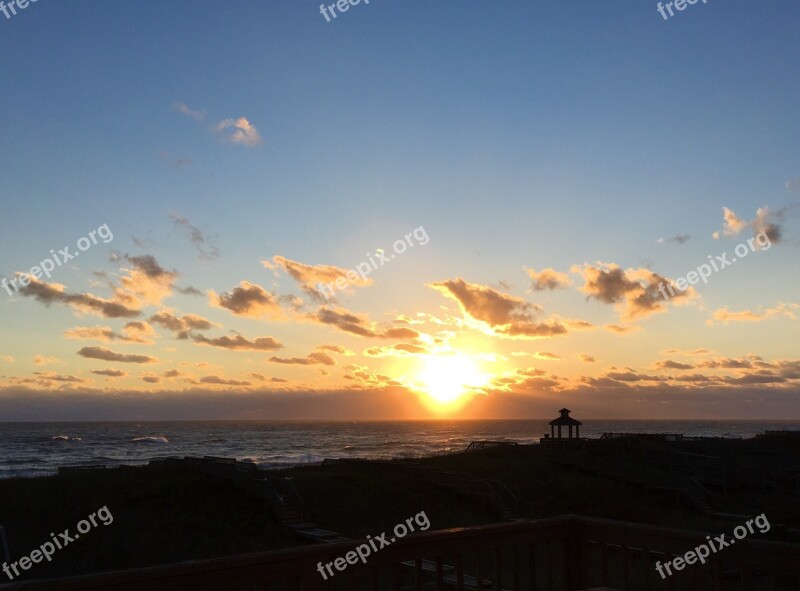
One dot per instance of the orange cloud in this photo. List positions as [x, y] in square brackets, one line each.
[506, 315]
[548, 279]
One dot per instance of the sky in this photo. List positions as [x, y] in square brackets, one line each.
[411, 210]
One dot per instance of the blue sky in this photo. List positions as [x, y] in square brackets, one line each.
[522, 135]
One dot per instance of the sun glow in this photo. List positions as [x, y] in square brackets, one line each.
[445, 380]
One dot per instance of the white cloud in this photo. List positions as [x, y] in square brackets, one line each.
[245, 134]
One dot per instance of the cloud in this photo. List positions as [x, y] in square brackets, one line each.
[174, 373]
[587, 358]
[245, 132]
[506, 315]
[336, 349]
[174, 162]
[49, 293]
[670, 364]
[726, 363]
[147, 279]
[222, 381]
[632, 376]
[189, 290]
[541, 355]
[634, 291]
[108, 355]
[677, 239]
[766, 221]
[348, 322]
[249, 300]
[181, 325]
[318, 358]
[689, 352]
[111, 373]
[732, 224]
[548, 279]
[42, 360]
[134, 332]
[202, 242]
[364, 377]
[183, 108]
[619, 329]
[239, 343]
[310, 276]
[49, 376]
[398, 350]
[724, 315]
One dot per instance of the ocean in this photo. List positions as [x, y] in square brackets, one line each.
[38, 449]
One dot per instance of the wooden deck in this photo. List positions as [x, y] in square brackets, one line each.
[568, 553]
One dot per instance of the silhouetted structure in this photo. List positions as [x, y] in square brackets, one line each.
[565, 420]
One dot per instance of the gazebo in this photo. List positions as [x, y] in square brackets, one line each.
[567, 420]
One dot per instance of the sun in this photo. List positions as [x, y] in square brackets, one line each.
[446, 379]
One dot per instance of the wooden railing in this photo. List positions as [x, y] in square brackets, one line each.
[568, 553]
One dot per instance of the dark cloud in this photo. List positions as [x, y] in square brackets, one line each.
[202, 242]
[249, 300]
[318, 358]
[108, 355]
[48, 376]
[49, 293]
[111, 373]
[239, 343]
[677, 239]
[222, 381]
[635, 291]
[181, 324]
[348, 322]
[670, 364]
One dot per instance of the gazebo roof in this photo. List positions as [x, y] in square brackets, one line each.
[565, 419]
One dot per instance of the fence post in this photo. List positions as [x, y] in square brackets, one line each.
[4, 545]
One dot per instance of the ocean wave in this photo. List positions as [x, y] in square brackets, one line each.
[151, 439]
[65, 438]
